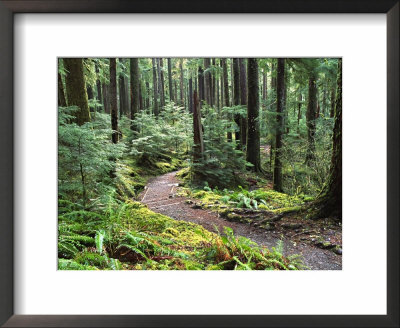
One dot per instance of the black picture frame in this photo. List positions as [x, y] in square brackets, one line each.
[10, 7]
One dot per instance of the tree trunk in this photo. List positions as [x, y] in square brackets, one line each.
[226, 91]
[213, 85]
[243, 99]
[76, 91]
[155, 91]
[171, 91]
[106, 98]
[190, 95]
[61, 96]
[121, 87]
[148, 95]
[264, 91]
[89, 91]
[207, 81]
[280, 110]
[140, 96]
[329, 202]
[98, 83]
[236, 92]
[300, 99]
[333, 96]
[201, 86]
[135, 92]
[113, 99]
[198, 145]
[181, 82]
[253, 139]
[311, 114]
[161, 82]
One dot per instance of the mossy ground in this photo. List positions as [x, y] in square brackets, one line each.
[263, 199]
[130, 236]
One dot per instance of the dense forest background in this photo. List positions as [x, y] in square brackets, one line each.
[255, 134]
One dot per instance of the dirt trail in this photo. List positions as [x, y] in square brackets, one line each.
[160, 197]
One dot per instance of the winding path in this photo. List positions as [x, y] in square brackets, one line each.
[160, 197]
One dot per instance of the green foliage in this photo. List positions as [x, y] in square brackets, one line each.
[130, 236]
[86, 156]
[221, 161]
[160, 136]
[265, 199]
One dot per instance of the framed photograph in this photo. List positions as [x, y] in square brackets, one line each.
[205, 165]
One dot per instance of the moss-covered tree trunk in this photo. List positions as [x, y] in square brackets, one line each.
[213, 85]
[170, 86]
[243, 100]
[236, 99]
[61, 96]
[135, 92]
[76, 90]
[329, 202]
[201, 86]
[190, 95]
[122, 97]
[113, 99]
[198, 144]
[182, 93]
[310, 117]
[226, 91]
[162, 87]
[333, 100]
[253, 105]
[106, 97]
[265, 86]
[155, 85]
[280, 110]
[98, 83]
[207, 81]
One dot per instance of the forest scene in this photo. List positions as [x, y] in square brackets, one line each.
[199, 164]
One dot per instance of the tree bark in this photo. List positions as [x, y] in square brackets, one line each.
[207, 81]
[329, 202]
[333, 98]
[226, 91]
[311, 114]
[161, 82]
[89, 91]
[61, 96]
[113, 99]
[121, 87]
[243, 99]
[190, 97]
[106, 98]
[76, 91]
[198, 145]
[181, 82]
[98, 83]
[155, 91]
[201, 86]
[135, 92]
[213, 85]
[171, 91]
[280, 110]
[264, 90]
[253, 139]
[236, 92]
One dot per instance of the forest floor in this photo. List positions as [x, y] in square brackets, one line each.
[160, 196]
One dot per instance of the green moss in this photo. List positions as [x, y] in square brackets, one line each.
[144, 240]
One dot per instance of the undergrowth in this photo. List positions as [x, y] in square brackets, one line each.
[129, 236]
[263, 198]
